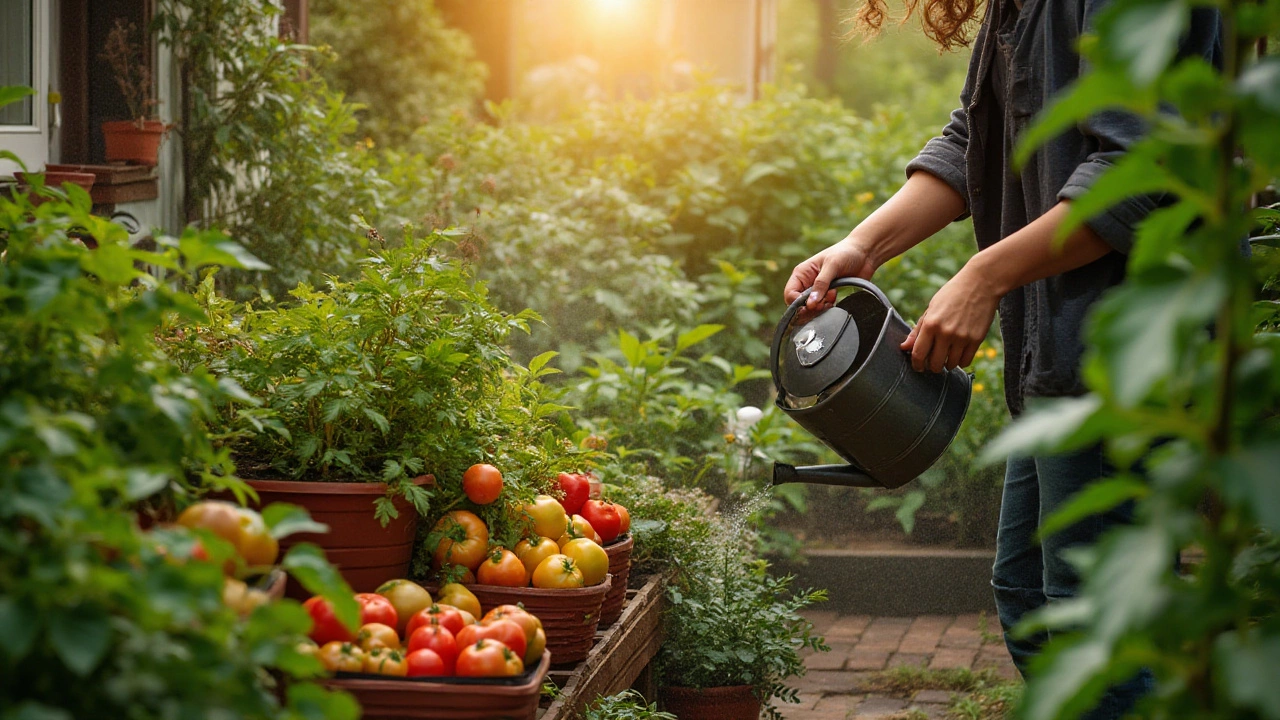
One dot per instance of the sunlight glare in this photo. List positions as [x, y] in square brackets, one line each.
[614, 5]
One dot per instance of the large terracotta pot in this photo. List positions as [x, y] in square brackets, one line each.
[366, 553]
[718, 703]
[131, 142]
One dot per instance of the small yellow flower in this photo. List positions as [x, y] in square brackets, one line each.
[771, 265]
[864, 198]
[991, 352]
[368, 143]
[978, 387]
[730, 438]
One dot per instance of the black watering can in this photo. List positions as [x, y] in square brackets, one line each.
[843, 377]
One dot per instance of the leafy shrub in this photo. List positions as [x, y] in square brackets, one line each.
[399, 61]
[731, 623]
[377, 379]
[626, 705]
[95, 418]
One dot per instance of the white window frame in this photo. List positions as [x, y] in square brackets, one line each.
[31, 142]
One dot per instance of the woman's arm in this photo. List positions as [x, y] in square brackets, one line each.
[960, 314]
[922, 207]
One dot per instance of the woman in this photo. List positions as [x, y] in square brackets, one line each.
[1023, 55]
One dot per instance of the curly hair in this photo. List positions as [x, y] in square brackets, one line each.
[949, 23]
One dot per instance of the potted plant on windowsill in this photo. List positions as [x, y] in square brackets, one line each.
[733, 637]
[136, 140]
[363, 387]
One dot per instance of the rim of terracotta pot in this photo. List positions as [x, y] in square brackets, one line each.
[332, 488]
[147, 126]
[718, 691]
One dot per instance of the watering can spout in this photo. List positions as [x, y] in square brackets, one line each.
[844, 475]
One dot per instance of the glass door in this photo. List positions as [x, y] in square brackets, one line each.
[24, 60]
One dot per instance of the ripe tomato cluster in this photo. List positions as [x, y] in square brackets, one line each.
[256, 549]
[405, 633]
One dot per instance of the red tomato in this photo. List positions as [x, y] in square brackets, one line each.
[604, 518]
[376, 609]
[437, 640]
[325, 626]
[424, 663]
[507, 632]
[577, 489]
[446, 616]
[488, 658]
[482, 484]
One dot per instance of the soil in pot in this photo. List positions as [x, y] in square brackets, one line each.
[366, 553]
[131, 142]
[719, 703]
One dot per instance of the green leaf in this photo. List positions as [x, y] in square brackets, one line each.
[19, 625]
[1160, 234]
[1068, 681]
[80, 636]
[312, 702]
[540, 361]
[1145, 37]
[283, 520]
[1247, 665]
[692, 337]
[209, 248]
[307, 564]
[1261, 81]
[143, 483]
[906, 513]
[1055, 425]
[1136, 173]
[759, 171]
[10, 94]
[31, 710]
[1095, 498]
[631, 348]
[1249, 480]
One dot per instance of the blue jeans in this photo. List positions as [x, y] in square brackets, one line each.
[1028, 573]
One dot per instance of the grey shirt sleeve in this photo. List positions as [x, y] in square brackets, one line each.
[1112, 134]
[944, 156]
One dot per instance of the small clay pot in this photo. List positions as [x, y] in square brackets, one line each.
[133, 142]
[366, 553]
[734, 702]
[619, 553]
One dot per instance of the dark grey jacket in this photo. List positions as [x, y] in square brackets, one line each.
[1041, 323]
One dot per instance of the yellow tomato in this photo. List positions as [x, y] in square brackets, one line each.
[532, 554]
[559, 572]
[590, 558]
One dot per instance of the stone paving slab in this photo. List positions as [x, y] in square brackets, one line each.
[839, 684]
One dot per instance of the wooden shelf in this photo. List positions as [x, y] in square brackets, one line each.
[620, 659]
[115, 184]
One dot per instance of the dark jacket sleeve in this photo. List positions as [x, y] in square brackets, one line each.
[944, 156]
[1113, 132]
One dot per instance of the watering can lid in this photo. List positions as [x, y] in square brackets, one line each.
[819, 353]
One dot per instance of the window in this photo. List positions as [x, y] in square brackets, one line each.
[24, 60]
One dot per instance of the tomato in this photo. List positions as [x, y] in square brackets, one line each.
[625, 516]
[503, 568]
[376, 609]
[220, 518]
[488, 658]
[407, 597]
[339, 656]
[557, 571]
[446, 616]
[590, 558]
[307, 647]
[517, 614]
[424, 663]
[241, 527]
[461, 598]
[532, 554]
[548, 516]
[376, 635]
[325, 626]
[576, 488]
[384, 661]
[482, 484]
[603, 516]
[506, 632]
[464, 540]
[438, 640]
[256, 544]
[537, 646]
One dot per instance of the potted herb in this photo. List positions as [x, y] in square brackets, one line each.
[363, 387]
[136, 140]
[733, 637]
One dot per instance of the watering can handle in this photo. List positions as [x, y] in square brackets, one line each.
[795, 308]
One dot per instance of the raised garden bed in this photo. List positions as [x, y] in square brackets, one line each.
[620, 659]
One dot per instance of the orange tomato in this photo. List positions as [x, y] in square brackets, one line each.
[625, 514]
[464, 540]
[559, 572]
[338, 656]
[503, 568]
[488, 658]
[384, 661]
[482, 484]
[376, 635]
[531, 554]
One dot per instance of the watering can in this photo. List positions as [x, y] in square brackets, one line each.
[841, 375]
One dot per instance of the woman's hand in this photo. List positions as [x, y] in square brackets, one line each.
[847, 258]
[955, 324]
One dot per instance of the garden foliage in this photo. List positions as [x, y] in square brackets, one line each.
[1184, 372]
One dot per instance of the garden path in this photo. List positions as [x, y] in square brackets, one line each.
[847, 683]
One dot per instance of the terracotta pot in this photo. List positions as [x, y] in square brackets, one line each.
[55, 178]
[619, 553]
[718, 703]
[128, 142]
[366, 553]
[569, 617]
[449, 698]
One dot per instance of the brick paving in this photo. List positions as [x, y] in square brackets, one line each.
[836, 686]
